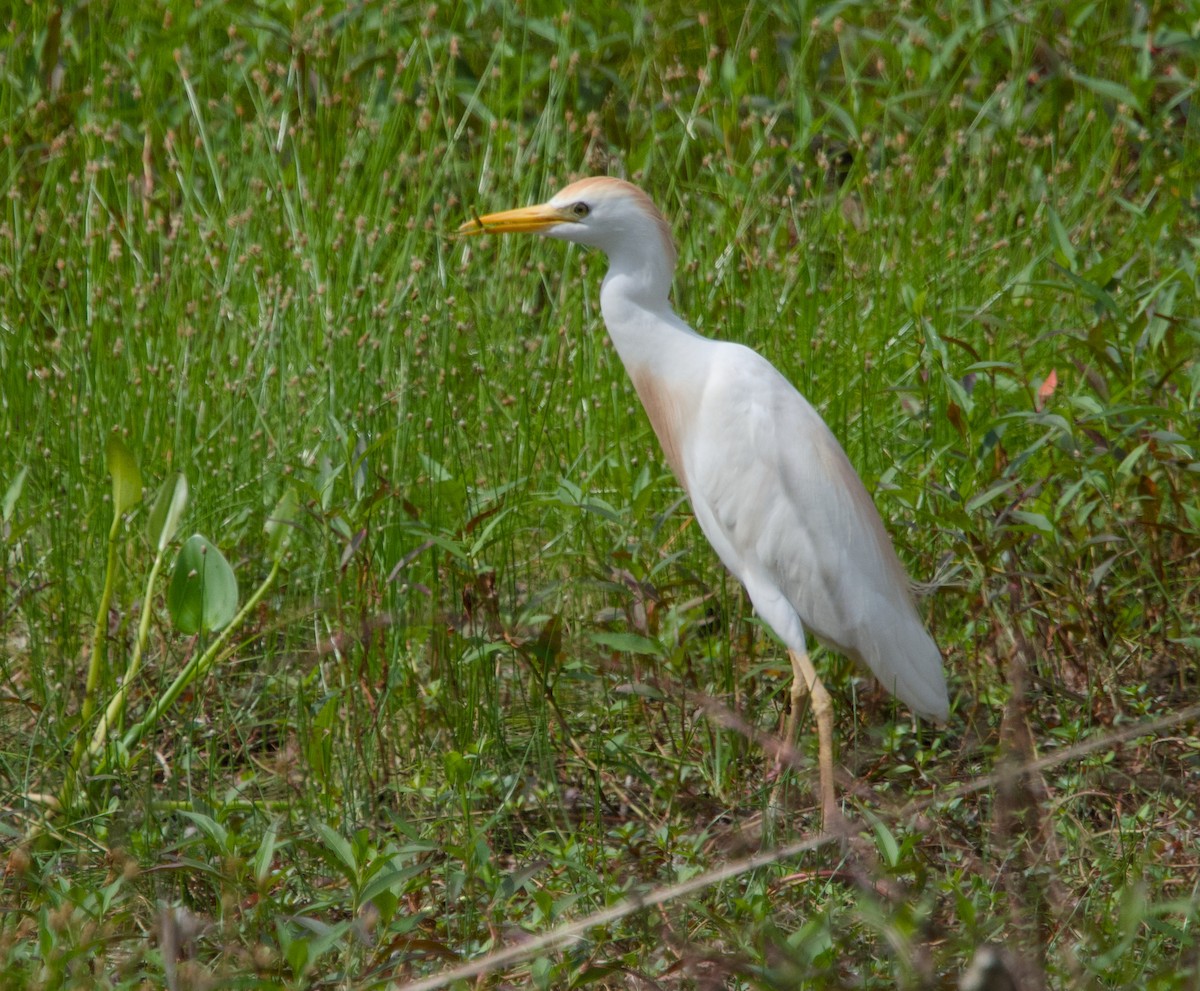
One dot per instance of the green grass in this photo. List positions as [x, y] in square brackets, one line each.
[473, 703]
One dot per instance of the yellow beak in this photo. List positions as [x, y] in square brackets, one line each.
[525, 219]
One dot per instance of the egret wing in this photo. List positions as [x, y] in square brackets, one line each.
[785, 510]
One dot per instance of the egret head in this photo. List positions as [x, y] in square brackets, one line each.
[601, 212]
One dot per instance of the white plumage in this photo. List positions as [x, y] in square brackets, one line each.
[771, 487]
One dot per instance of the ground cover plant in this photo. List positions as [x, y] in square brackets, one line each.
[352, 627]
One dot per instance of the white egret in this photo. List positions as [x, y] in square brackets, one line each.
[770, 485]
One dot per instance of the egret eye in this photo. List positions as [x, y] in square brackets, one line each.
[581, 210]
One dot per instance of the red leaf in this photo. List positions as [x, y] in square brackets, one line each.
[1046, 389]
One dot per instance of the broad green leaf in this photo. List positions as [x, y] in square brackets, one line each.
[1037, 521]
[1099, 296]
[1131, 459]
[12, 494]
[386, 902]
[1108, 89]
[628, 643]
[324, 938]
[281, 522]
[295, 949]
[203, 593]
[126, 479]
[168, 508]
[886, 844]
[343, 852]
[265, 856]
[217, 833]
[327, 475]
[458, 769]
[391, 880]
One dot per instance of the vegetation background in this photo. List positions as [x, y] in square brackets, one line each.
[491, 679]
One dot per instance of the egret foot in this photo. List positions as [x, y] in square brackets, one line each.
[805, 681]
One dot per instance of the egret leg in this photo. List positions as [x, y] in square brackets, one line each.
[805, 681]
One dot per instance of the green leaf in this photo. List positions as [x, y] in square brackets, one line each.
[281, 523]
[391, 881]
[209, 826]
[458, 768]
[295, 950]
[436, 472]
[265, 856]
[204, 592]
[168, 508]
[1131, 459]
[12, 494]
[885, 843]
[1037, 521]
[126, 479]
[628, 643]
[324, 938]
[640, 690]
[343, 859]
[592, 974]
[1108, 89]
[1101, 297]
[514, 882]
[1062, 240]
[983, 498]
